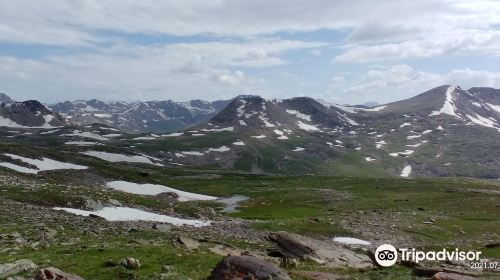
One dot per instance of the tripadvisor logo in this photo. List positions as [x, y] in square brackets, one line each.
[387, 255]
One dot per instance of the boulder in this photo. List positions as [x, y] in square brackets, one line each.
[52, 273]
[450, 276]
[16, 267]
[188, 242]
[321, 252]
[246, 268]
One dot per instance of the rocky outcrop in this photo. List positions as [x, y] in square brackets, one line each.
[187, 242]
[52, 273]
[29, 113]
[10, 269]
[246, 267]
[319, 251]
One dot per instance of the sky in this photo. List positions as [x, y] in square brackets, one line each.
[349, 52]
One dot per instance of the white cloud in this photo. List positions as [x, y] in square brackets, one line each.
[128, 72]
[430, 45]
[387, 84]
[234, 78]
[389, 19]
[122, 49]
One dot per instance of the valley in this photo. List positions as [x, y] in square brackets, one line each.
[254, 179]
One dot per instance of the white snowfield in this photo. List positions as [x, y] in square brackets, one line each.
[349, 120]
[350, 109]
[116, 214]
[369, 159]
[405, 153]
[379, 144]
[86, 134]
[374, 109]
[175, 134]
[192, 153]
[141, 138]
[298, 149]
[299, 115]
[307, 127]
[259, 136]
[119, 157]
[494, 107]
[81, 143]
[111, 135]
[220, 150]
[231, 128]
[10, 123]
[153, 189]
[483, 121]
[351, 240]
[448, 107]
[239, 143]
[406, 171]
[41, 165]
[103, 115]
[18, 168]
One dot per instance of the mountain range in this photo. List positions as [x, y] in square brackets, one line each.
[446, 131]
[136, 117]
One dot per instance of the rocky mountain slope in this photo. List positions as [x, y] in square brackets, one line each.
[27, 114]
[136, 117]
[446, 131]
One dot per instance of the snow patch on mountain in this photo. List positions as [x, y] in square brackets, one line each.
[86, 134]
[81, 143]
[41, 165]
[307, 127]
[406, 171]
[176, 134]
[115, 214]
[219, 150]
[153, 189]
[494, 107]
[111, 157]
[448, 107]
[405, 153]
[299, 115]
[231, 128]
[6, 122]
[483, 121]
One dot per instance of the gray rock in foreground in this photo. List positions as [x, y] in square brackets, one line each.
[52, 273]
[319, 251]
[16, 267]
[246, 267]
